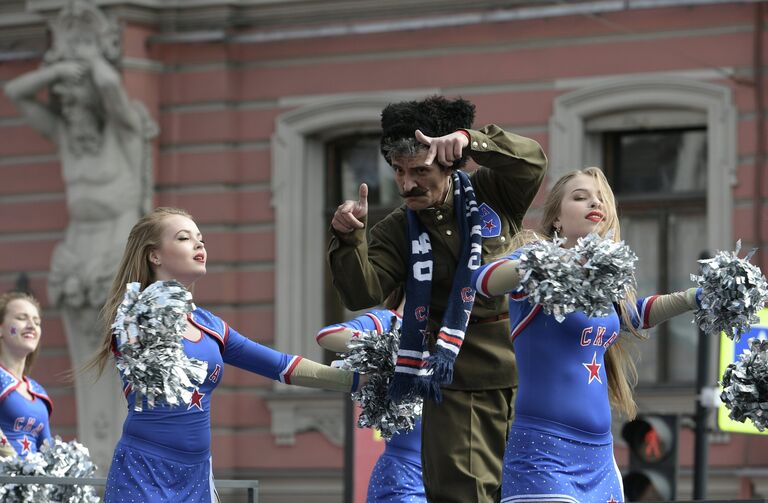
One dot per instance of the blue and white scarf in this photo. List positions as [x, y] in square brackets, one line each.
[419, 371]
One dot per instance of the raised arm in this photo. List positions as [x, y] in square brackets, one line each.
[365, 271]
[350, 215]
[23, 92]
[116, 103]
[515, 169]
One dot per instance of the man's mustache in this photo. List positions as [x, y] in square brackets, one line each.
[415, 192]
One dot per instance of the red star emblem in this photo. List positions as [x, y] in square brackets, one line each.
[25, 444]
[3, 441]
[613, 500]
[488, 224]
[594, 369]
[197, 400]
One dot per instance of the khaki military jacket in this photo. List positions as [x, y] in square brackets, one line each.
[366, 271]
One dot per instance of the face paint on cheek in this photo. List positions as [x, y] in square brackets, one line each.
[13, 331]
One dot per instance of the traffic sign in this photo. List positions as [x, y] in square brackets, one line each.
[729, 353]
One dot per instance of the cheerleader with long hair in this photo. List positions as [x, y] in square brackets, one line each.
[570, 373]
[164, 454]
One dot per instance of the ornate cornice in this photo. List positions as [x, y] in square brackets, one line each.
[255, 21]
[199, 14]
[24, 22]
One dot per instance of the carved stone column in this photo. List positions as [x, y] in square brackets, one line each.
[103, 139]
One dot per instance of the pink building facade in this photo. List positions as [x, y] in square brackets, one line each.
[266, 109]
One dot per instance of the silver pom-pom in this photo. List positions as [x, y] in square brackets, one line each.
[370, 352]
[733, 291]
[376, 354]
[147, 330]
[608, 271]
[745, 385]
[69, 459]
[56, 458]
[590, 277]
[547, 272]
[380, 412]
[31, 464]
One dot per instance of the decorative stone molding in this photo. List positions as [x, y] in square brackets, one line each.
[570, 145]
[301, 411]
[268, 14]
[79, 23]
[276, 19]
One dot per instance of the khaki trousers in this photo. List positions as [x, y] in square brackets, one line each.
[463, 442]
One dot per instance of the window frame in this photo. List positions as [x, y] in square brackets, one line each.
[663, 207]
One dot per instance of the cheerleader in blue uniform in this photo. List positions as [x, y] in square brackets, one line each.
[560, 448]
[25, 407]
[164, 452]
[396, 477]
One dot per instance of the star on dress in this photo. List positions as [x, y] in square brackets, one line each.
[197, 400]
[25, 444]
[594, 369]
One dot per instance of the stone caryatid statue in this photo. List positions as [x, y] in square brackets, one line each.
[103, 139]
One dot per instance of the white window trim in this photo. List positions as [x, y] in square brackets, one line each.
[570, 147]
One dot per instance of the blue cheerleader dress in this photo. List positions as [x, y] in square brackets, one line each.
[164, 454]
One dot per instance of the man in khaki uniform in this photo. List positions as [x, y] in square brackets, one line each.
[464, 435]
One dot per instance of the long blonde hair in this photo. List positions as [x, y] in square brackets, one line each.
[135, 266]
[619, 362]
[6, 299]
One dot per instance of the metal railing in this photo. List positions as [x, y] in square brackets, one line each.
[251, 486]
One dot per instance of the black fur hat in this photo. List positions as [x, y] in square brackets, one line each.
[434, 116]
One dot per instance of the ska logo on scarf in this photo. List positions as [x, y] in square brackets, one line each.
[490, 223]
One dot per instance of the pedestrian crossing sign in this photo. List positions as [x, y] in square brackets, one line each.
[729, 353]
